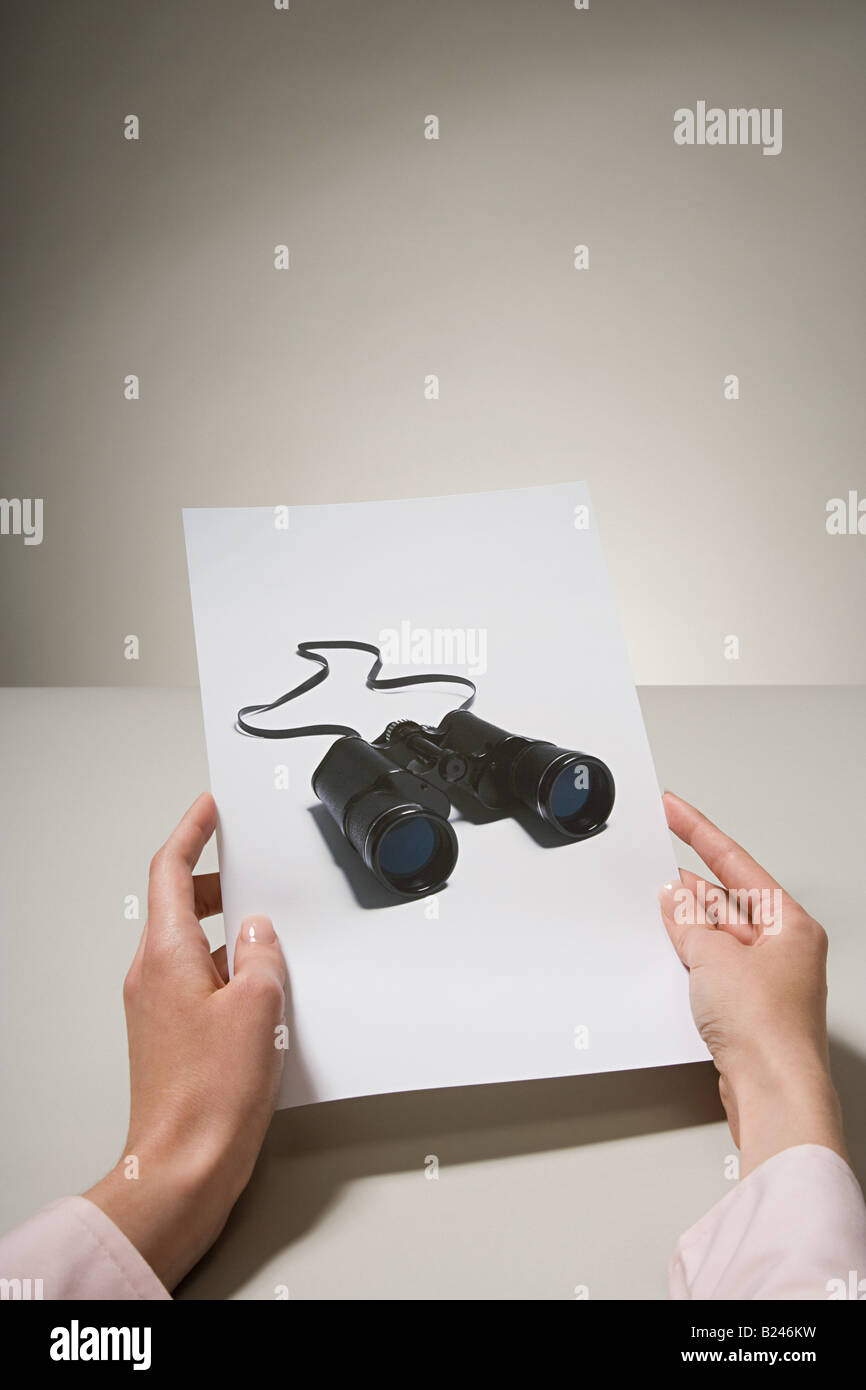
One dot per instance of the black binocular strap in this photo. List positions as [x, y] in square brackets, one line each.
[311, 652]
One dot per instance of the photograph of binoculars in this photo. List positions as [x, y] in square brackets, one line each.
[396, 818]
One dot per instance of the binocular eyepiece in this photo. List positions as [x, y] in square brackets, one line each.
[397, 821]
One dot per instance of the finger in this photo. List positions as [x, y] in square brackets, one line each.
[691, 940]
[221, 963]
[720, 909]
[170, 894]
[730, 863]
[208, 895]
[259, 959]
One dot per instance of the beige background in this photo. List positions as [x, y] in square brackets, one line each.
[453, 257]
[543, 1185]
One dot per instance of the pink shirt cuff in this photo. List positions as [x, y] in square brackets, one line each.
[71, 1249]
[794, 1228]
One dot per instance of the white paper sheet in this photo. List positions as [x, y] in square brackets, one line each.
[534, 961]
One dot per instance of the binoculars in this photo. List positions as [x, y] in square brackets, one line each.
[397, 820]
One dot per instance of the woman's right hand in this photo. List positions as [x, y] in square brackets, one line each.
[758, 990]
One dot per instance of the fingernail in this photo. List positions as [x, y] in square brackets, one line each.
[258, 929]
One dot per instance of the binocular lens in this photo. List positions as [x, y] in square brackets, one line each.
[575, 793]
[408, 847]
[414, 853]
[568, 793]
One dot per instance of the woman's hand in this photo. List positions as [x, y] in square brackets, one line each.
[758, 989]
[205, 1061]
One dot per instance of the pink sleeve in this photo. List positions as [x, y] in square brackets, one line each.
[794, 1228]
[71, 1249]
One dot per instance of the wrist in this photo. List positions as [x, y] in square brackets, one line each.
[171, 1209]
[772, 1061]
[783, 1097]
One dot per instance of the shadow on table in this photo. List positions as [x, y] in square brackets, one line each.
[345, 1140]
[350, 1139]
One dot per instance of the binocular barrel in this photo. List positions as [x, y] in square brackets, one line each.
[393, 819]
[574, 792]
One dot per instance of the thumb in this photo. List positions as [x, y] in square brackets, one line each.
[259, 959]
